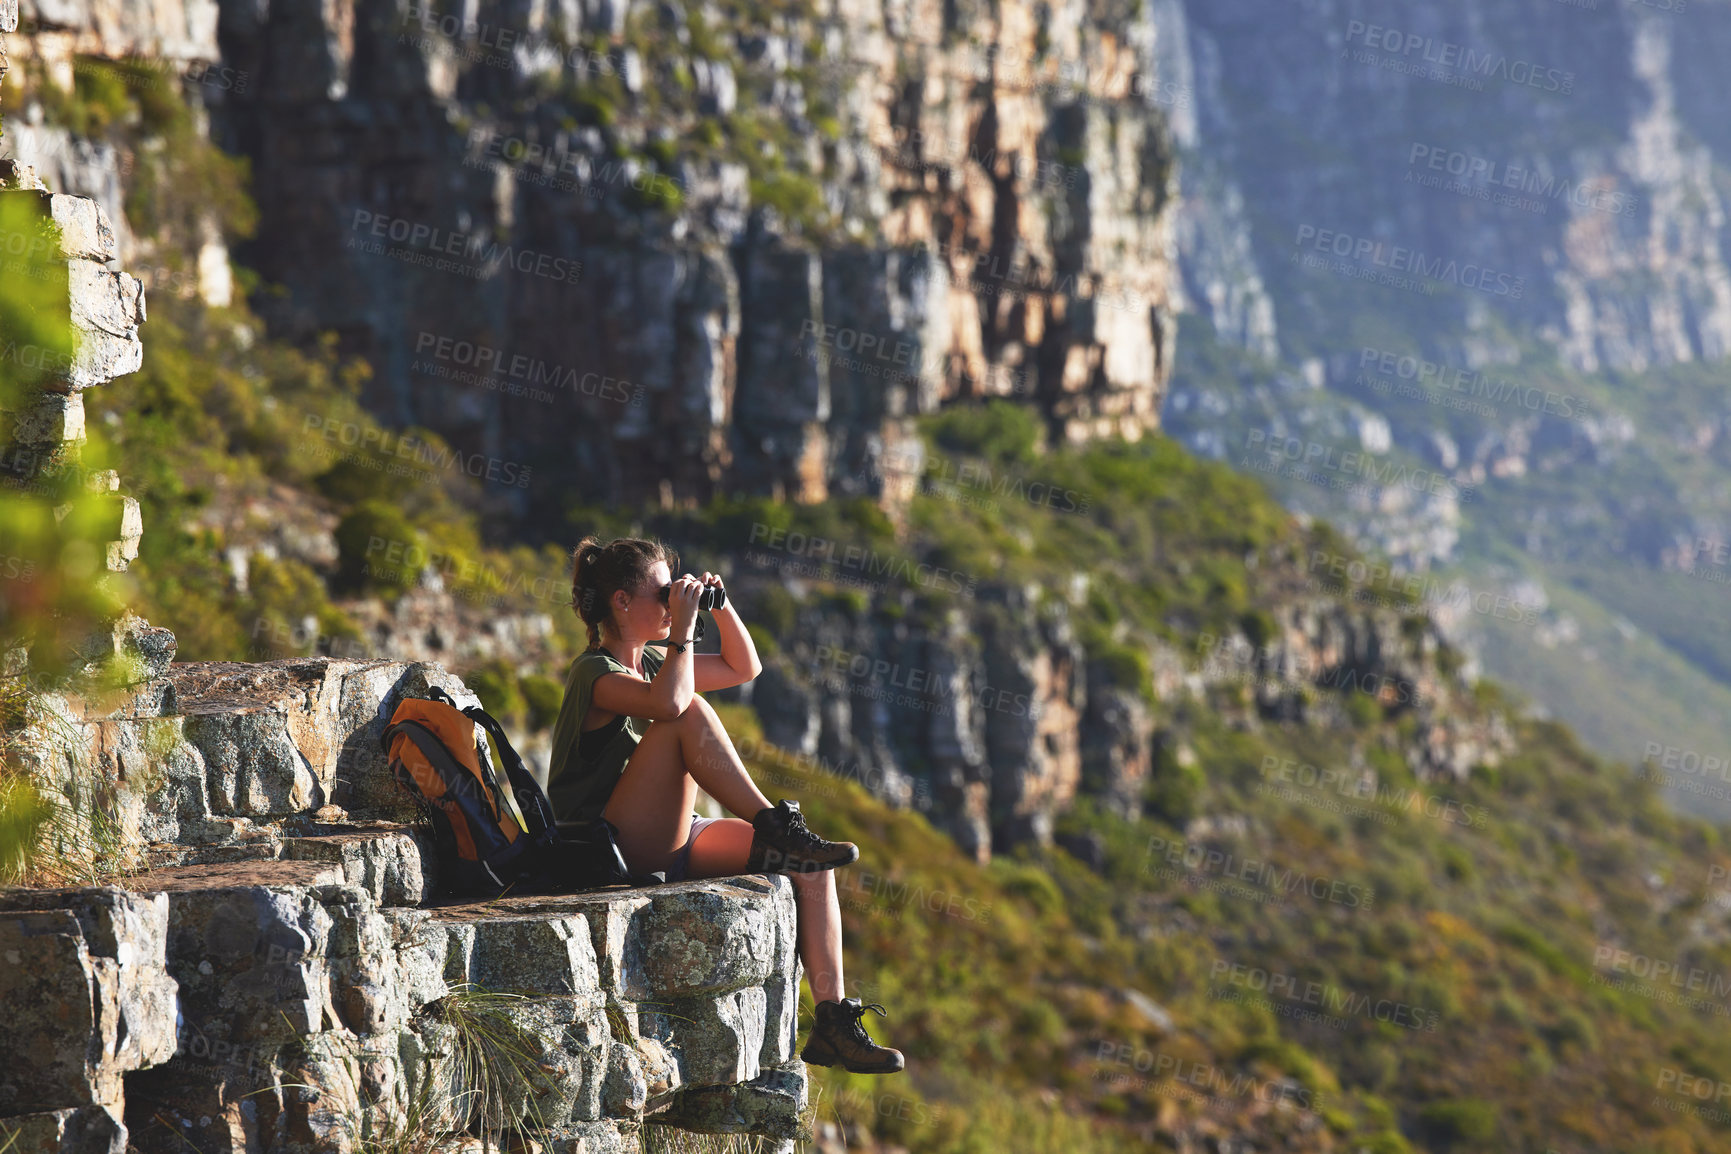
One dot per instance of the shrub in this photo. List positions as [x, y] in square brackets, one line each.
[1572, 1028]
[544, 697]
[1259, 626]
[496, 685]
[777, 611]
[999, 430]
[361, 563]
[797, 198]
[288, 590]
[1173, 789]
[1124, 666]
[1029, 881]
[349, 482]
[1467, 1120]
[23, 815]
[1364, 710]
[595, 109]
[767, 645]
[1457, 863]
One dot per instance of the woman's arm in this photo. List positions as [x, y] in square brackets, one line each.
[737, 662]
[670, 693]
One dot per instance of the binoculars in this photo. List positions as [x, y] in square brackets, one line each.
[710, 597]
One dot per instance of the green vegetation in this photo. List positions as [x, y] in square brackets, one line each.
[495, 1084]
[1480, 935]
[1607, 509]
[55, 529]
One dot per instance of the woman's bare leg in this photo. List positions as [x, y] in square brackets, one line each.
[651, 807]
[819, 933]
[722, 849]
[651, 804]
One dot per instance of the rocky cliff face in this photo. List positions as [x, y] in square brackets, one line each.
[644, 250]
[993, 720]
[1571, 146]
[270, 980]
[1485, 244]
[1368, 191]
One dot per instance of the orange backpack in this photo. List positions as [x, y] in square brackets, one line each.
[485, 845]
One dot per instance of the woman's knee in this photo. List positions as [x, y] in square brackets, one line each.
[692, 714]
[659, 736]
[705, 736]
[699, 711]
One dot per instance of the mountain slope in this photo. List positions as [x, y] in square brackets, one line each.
[1483, 989]
[1342, 166]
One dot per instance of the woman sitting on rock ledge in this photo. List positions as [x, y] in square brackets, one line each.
[634, 741]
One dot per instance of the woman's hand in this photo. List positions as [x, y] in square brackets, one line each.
[737, 662]
[682, 602]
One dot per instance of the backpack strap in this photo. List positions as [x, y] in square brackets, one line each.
[531, 800]
[434, 693]
[573, 859]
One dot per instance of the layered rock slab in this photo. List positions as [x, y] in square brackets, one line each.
[272, 1005]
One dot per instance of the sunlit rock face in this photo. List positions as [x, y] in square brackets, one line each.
[1568, 147]
[545, 226]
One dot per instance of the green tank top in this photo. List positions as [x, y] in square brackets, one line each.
[578, 782]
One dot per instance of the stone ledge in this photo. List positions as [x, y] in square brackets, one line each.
[770, 1104]
[205, 986]
[294, 944]
[213, 757]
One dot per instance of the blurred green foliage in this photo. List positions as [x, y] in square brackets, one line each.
[55, 592]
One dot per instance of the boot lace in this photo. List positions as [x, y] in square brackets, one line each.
[798, 833]
[857, 1026]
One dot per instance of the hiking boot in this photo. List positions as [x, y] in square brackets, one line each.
[838, 1039]
[784, 845]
